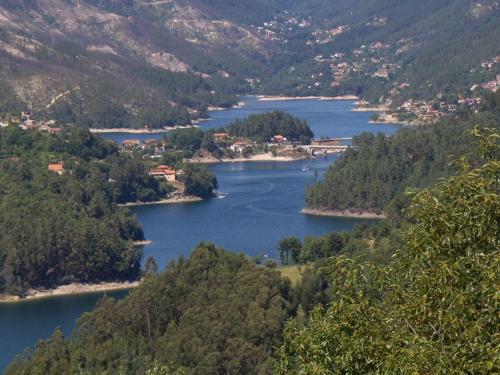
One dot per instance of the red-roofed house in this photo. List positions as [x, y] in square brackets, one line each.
[131, 143]
[220, 136]
[163, 172]
[278, 138]
[57, 168]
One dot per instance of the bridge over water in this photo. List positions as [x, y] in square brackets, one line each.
[326, 145]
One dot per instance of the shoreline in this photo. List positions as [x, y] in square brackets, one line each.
[344, 213]
[239, 105]
[270, 98]
[70, 289]
[173, 200]
[393, 122]
[142, 243]
[194, 124]
[370, 109]
[140, 131]
[258, 157]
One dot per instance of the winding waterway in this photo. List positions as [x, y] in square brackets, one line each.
[260, 206]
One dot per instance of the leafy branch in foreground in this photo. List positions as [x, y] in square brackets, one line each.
[432, 310]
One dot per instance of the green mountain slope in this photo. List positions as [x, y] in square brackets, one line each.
[129, 63]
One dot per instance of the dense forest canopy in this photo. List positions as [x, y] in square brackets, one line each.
[263, 127]
[431, 310]
[214, 313]
[62, 228]
[377, 168]
[428, 308]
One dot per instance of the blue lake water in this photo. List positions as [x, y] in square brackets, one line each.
[327, 118]
[261, 205]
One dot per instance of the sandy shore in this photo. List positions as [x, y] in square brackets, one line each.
[344, 213]
[270, 98]
[393, 122]
[173, 200]
[370, 109]
[236, 106]
[64, 290]
[142, 243]
[140, 131]
[126, 130]
[258, 157]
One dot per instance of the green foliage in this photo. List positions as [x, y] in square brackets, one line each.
[215, 313]
[9, 102]
[289, 250]
[199, 181]
[376, 243]
[67, 228]
[433, 309]
[263, 127]
[377, 169]
[185, 139]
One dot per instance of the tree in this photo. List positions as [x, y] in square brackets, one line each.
[290, 250]
[434, 309]
[214, 313]
[150, 267]
[198, 180]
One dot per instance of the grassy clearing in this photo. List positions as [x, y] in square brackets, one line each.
[294, 273]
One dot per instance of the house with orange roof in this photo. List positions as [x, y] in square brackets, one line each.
[130, 143]
[218, 137]
[163, 172]
[278, 138]
[57, 168]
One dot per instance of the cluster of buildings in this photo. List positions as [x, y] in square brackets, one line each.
[280, 25]
[238, 145]
[425, 111]
[421, 111]
[27, 122]
[326, 36]
[492, 85]
[491, 64]
[158, 146]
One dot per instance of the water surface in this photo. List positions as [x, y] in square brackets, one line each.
[327, 118]
[262, 205]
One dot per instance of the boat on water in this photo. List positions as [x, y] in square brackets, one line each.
[306, 168]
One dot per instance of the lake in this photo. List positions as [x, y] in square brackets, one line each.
[325, 117]
[261, 204]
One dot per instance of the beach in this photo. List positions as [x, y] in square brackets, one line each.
[258, 157]
[140, 131]
[173, 200]
[75, 288]
[142, 243]
[370, 109]
[240, 104]
[344, 213]
[270, 98]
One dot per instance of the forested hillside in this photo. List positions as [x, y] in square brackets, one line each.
[214, 313]
[220, 313]
[65, 227]
[433, 308]
[377, 169]
[262, 127]
[390, 49]
[106, 63]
